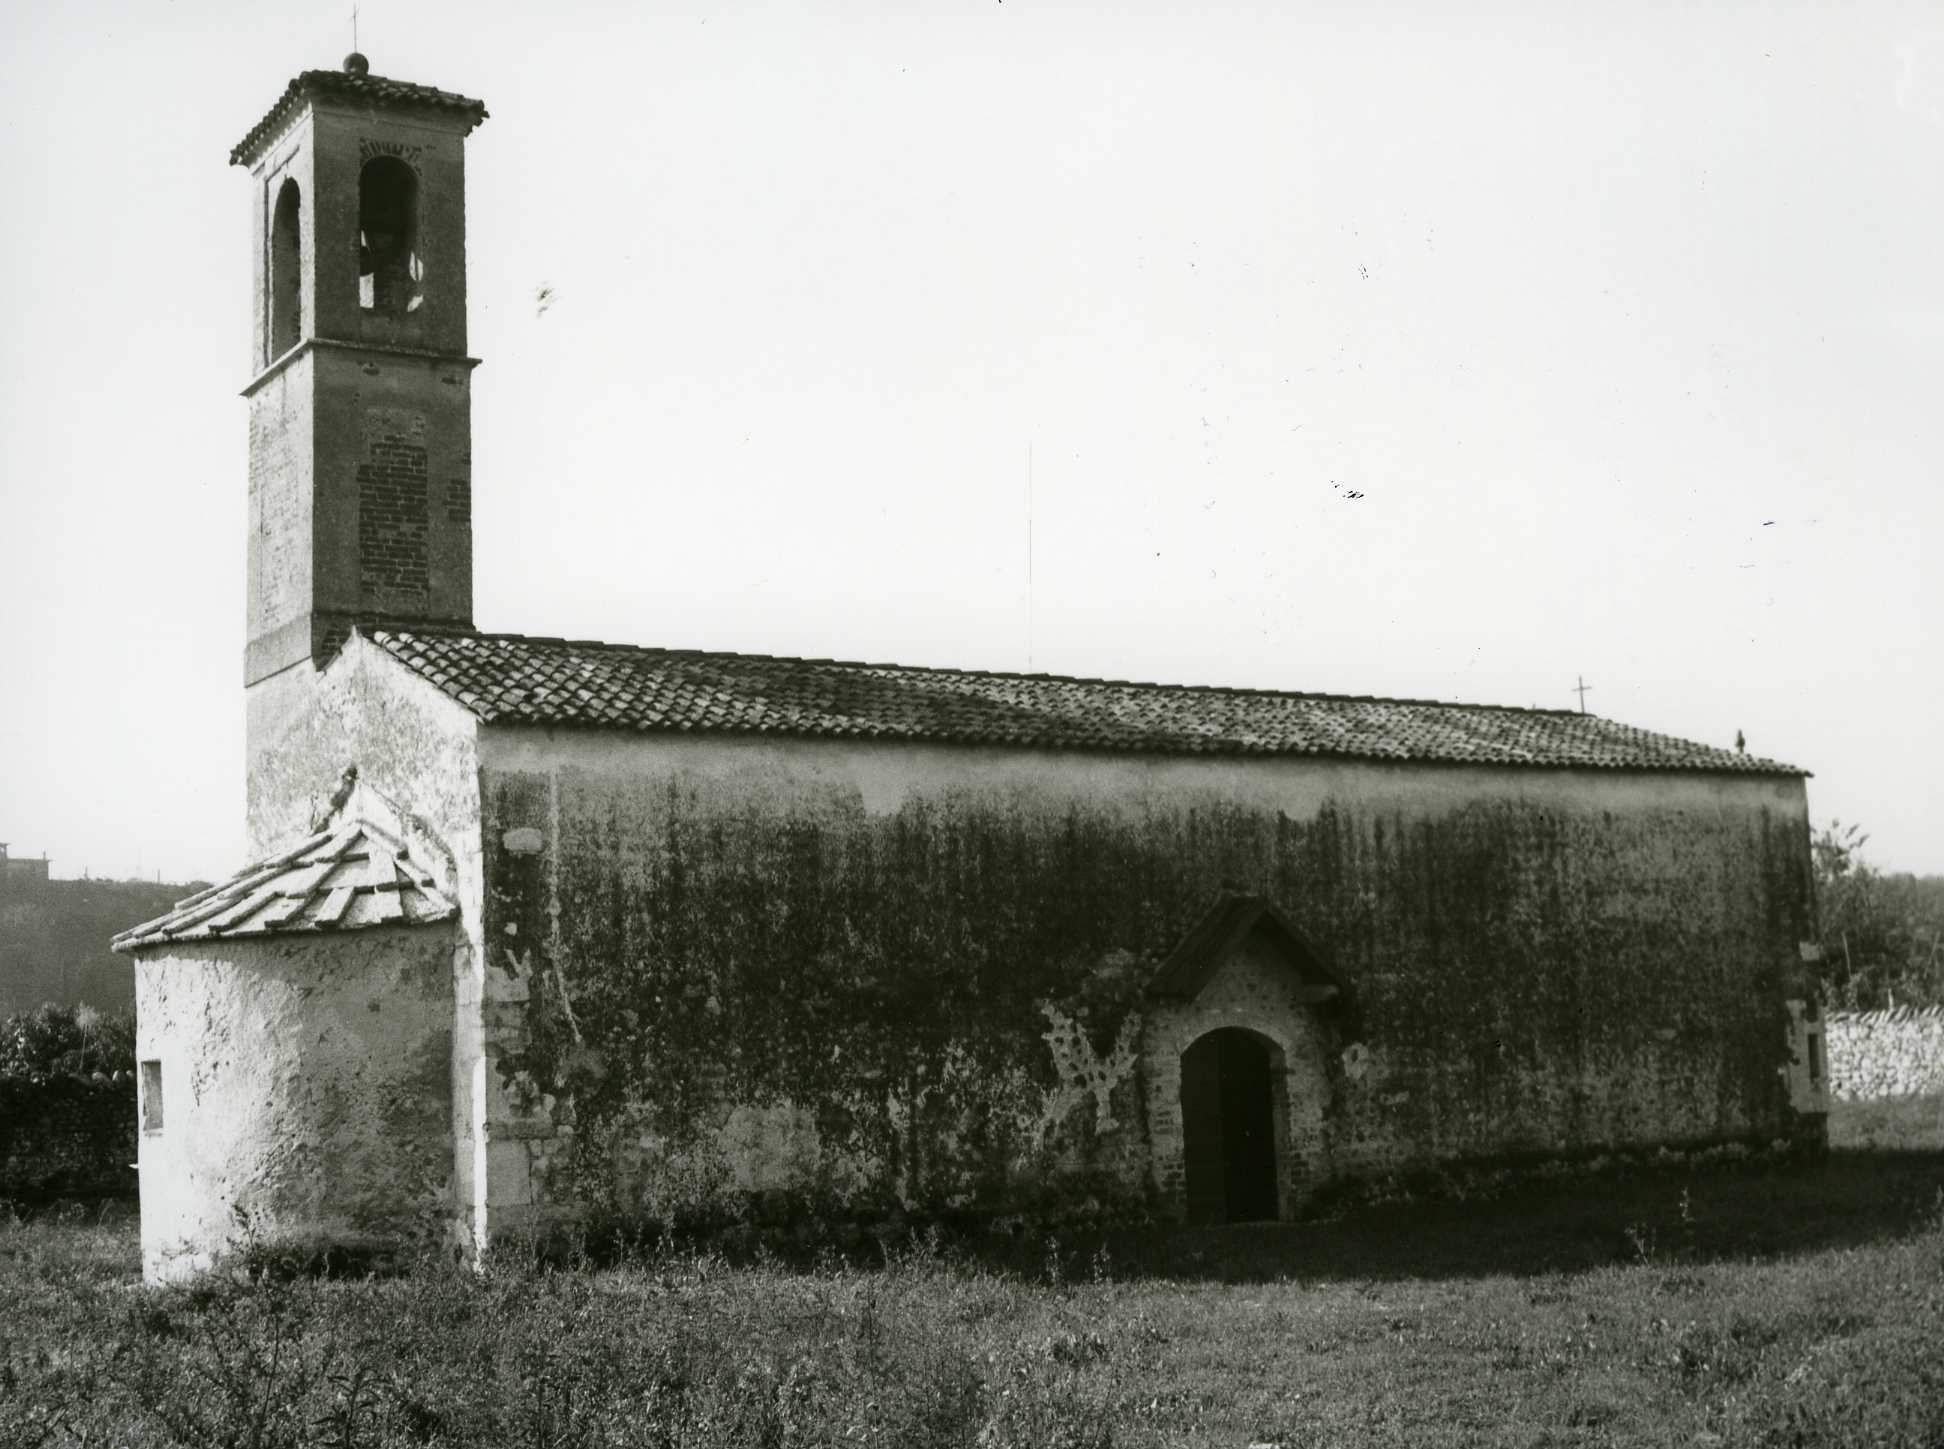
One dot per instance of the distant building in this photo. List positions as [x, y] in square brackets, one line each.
[16, 872]
[54, 934]
[540, 928]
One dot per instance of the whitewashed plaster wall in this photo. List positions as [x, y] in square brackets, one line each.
[305, 1093]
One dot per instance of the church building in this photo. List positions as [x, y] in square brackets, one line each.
[541, 928]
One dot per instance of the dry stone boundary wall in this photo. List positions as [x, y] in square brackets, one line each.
[1897, 1052]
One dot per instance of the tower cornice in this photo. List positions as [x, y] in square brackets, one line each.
[377, 349]
[370, 90]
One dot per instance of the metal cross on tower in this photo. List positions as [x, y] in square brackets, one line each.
[1580, 689]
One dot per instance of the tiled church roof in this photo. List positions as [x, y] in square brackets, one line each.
[514, 679]
[351, 86]
[344, 878]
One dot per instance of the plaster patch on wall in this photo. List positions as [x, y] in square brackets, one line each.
[1084, 1072]
[517, 966]
[769, 1145]
[881, 792]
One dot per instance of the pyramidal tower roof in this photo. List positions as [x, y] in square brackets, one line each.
[347, 877]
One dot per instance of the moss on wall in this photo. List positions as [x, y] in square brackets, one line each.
[906, 990]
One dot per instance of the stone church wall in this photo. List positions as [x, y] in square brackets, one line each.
[308, 1077]
[758, 971]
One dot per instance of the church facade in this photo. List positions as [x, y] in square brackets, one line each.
[544, 928]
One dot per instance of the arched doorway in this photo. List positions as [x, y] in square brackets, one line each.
[1228, 1127]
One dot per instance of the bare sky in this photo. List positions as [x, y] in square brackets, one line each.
[1363, 349]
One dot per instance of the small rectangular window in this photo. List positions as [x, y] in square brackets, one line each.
[1815, 1057]
[151, 1096]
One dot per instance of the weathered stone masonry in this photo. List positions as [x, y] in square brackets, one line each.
[1877, 1054]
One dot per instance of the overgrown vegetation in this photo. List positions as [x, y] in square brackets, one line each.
[1758, 1301]
[67, 1041]
[67, 1104]
[1882, 935]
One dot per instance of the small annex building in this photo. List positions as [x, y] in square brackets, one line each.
[545, 928]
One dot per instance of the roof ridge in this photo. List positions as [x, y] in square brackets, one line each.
[1246, 690]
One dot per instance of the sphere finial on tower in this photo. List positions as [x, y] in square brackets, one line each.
[356, 64]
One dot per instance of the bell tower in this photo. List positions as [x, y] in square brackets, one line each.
[360, 384]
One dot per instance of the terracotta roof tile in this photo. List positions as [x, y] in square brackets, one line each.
[343, 878]
[516, 679]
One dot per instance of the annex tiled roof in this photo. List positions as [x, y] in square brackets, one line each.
[347, 85]
[1212, 939]
[347, 877]
[514, 679]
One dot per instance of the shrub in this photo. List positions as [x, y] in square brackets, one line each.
[66, 1041]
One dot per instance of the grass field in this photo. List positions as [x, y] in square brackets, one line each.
[1758, 1301]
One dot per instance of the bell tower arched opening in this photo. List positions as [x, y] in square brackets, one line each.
[286, 272]
[390, 271]
[1229, 1081]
